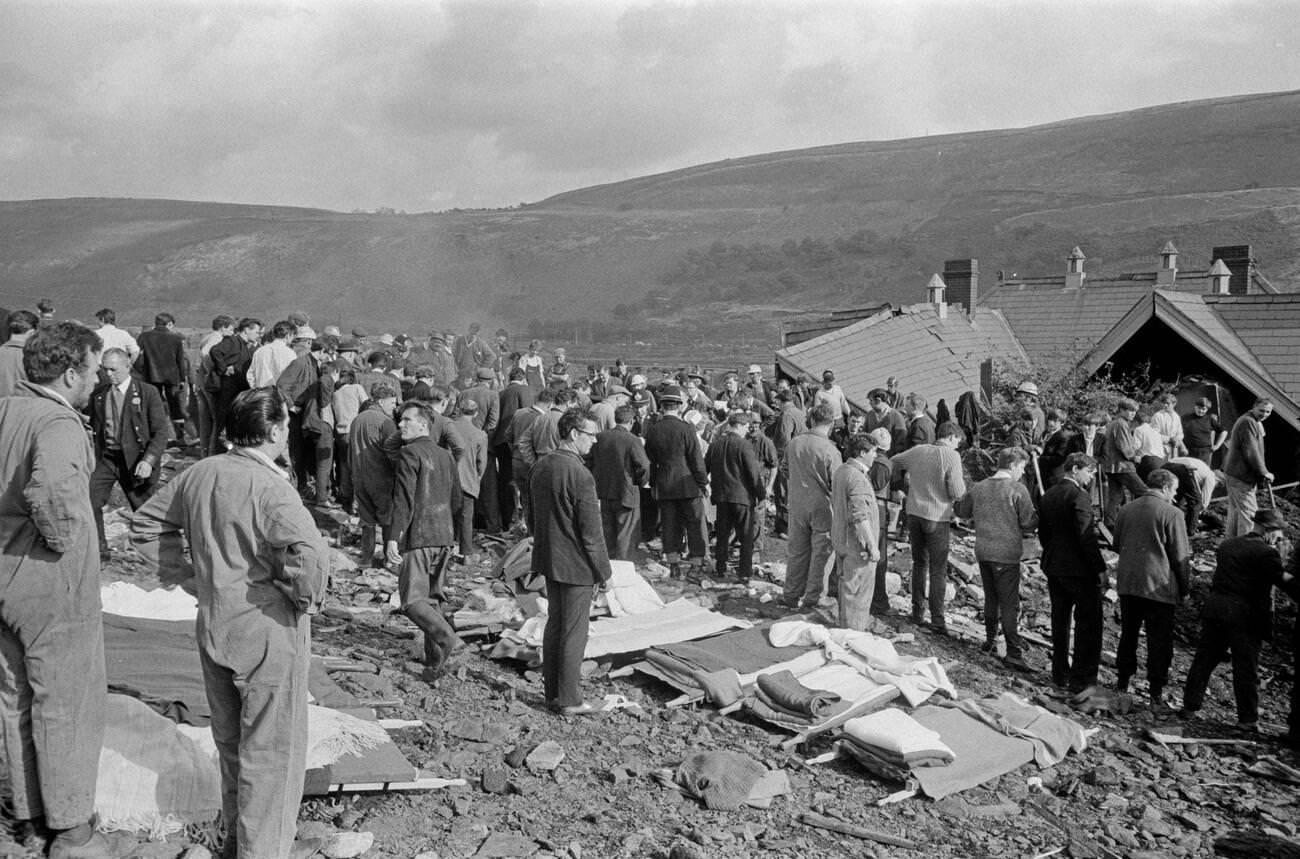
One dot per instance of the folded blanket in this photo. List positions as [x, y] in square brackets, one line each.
[910, 760]
[874, 762]
[787, 693]
[1053, 736]
[765, 711]
[895, 733]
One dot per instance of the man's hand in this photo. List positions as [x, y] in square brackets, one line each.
[863, 531]
[391, 554]
[143, 470]
[1268, 477]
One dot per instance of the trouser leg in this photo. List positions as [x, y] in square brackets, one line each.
[722, 528]
[879, 595]
[102, 481]
[746, 524]
[857, 584]
[1132, 614]
[798, 559]
[1210, 650]
[692, 511]
[920, 564]
[1088, 626]
[670, 514]
[1242, 506]
[490, 507]
[780, 496]
[505, 487]
[259, 722]
[819, 568]
[650, 516]
[520, 472]
[343, 471]
[988, 581]
[323, 460]
[1062, 599]
[564, 642]
[1160, 644]
[52, 689]
[937, 536]
[1007, 582]
[466, 529]
[203, 412]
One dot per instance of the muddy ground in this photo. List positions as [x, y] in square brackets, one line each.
[1126, 795]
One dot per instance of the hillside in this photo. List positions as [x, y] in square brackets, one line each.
[724, 249]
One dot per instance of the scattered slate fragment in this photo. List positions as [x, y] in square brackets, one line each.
[545, 758]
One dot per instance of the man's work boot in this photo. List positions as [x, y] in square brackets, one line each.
[98, 845]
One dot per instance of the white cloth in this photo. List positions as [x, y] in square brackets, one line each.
[1170, 427]
[1206, 482]
[628, 593]
[128, 600]
[894, 731]
[269, 362]
[1149, 441]
[116, 338]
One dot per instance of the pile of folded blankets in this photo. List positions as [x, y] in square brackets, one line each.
[889, 743]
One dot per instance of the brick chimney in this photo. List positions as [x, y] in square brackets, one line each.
[962, 277]
[1241, 262]
[1220, 277]
[1168, 271]
[934, 294]
[1074, 273]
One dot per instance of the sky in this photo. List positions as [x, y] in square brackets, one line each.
[430, 105]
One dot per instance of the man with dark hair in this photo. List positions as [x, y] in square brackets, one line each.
[1058, 444]
[1202, 433]
[514, 396]
[272, 357]
[620, 467]
[52, 686]
[205, 398]
[1076, 573]
[472, 352]
[882, 414]
[678, 479]
[1004, 514]
[162, 363]
[543, 433]
[935, 482]
[129, 426]
[855, 532]
[114, 337]
[488, 413]
[920, 426]
[1237, 615]
[736, 479]
[1244, 467]
[517, 437]
[229, 375]
[471, 469]
[46, 309]
[569, 551]
[308, 387]
[833, 394]
[1152, 579]
[372, 468]
[256, 595]
[426, 501]
[811, 460]
[790, 420]
[21, 325]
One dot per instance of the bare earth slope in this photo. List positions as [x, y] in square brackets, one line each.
[738, 241]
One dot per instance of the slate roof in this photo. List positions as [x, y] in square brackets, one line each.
[936, 357]
[1269, 326]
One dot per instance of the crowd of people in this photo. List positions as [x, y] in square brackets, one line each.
[428, 443]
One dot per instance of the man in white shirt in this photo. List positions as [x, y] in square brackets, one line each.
[1169, 424]
[833, 394]
[114, 337]
[271, 358]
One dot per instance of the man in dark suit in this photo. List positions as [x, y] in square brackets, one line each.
[514, 396]
[677, 478]
[620, 467]
[569, 550]
[738, 486]
[162, 363]
[129, 424]
[229, 374]
[1076, 573]
[308, 387]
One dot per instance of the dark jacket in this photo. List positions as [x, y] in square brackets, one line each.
[1245, 573]
[620, 467]
[568, 542]
[308, 392]
[1067, 530]
[426, 496]
[920, 430]
[231, 352]
[734, 471]
[1151, 539]
[676, 459]
[489, 407]
[894, 422]
[1245, 460]
[162, 357]
[1057, 447]
[1119, 447]
[510, 399]
[144, 425]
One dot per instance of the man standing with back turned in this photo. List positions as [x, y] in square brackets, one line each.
[52, 686]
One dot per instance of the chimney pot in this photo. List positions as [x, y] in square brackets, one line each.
[1168, 271]
[935, 291]
[1220, 278]
[1241, 261]
[1074, 273]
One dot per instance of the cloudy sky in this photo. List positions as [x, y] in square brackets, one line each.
[439, 103]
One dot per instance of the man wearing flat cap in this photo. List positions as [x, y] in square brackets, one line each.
[738, 487]
[678, 478]
[1237, 615]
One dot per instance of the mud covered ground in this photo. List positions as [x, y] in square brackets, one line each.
[1127, 795]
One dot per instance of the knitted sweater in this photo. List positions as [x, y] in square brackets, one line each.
[934, 480]
[1003, 512]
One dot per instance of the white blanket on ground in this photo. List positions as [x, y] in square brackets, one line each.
[894, 731]
[917, 678]
[128, 600]
[629, 593]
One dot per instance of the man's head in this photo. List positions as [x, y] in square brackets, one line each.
[415, 420]
[1126, 409]
[1262, 408]
[1080, 468]
[474, 328]
[502, 337]
[299, 319]
[1027, 418]
[348, 348]
[116, 365]
[164, 320]
[485, 377]
[402, 343]
[283, 330]
[1027, 392]
[738, 423]
[260, 418]
[249, 330]
[949, 434]
[884, 441]
[915, 404]
[1141, 416]
[625, 414]
[1167, 402]
[468, 407]
[1202, 406]
[534, 346]
[862, 447]
[577, 431]
[64, 358]
[892, 383]
[670, 400]
[223, 325]
[636, 383]
[22, 322]
[1013, 460]
[106, 316]
[1053, 420]
[46, 307]
[1164, 482]
[731, 384]
[385, 394]
[878, 399]
[821, 417]
[828, 378]
[755, 373]
[1270, 522]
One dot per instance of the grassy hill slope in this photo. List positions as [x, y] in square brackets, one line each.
[719, 251]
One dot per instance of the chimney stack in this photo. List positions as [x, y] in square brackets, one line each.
[1220, 277]
[1241, 262]
[1168, 271]
[962, 277]
[934, 294]
[1074, 273]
